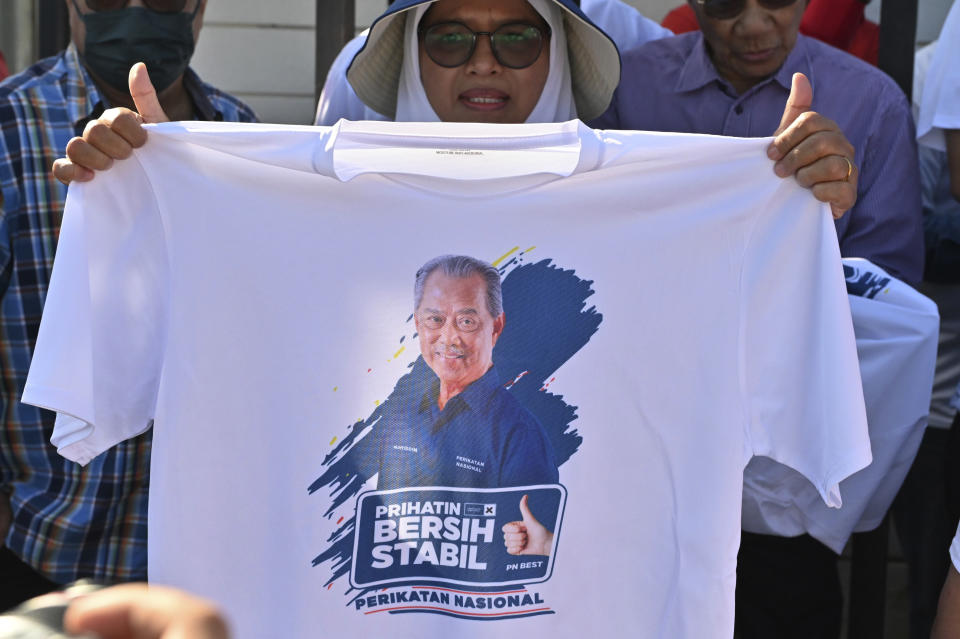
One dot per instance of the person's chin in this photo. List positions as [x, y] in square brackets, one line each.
[446, 367]
[760, 64]
[457, 382]
[450, 369]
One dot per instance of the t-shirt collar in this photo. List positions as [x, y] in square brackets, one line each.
[698, 70]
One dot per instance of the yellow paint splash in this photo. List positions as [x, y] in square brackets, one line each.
[506, 255]
[333, 441]
[397, 354]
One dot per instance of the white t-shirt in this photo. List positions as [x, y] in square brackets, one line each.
[250, 290]
[626, 26]
[940, 99]
[896, 329]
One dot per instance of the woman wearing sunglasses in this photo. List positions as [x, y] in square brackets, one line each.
[505, 61]
[624, 24]
[508, 61]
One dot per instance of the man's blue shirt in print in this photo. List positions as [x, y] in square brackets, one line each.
[483, 438]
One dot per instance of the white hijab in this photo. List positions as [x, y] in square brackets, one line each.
[556, 102]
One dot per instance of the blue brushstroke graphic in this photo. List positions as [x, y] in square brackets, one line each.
[863, 282]
[547, 322]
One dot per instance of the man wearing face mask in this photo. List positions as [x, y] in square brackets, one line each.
[60, 522]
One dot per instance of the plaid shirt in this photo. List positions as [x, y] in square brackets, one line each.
[68, 522]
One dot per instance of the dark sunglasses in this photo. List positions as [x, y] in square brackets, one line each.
[160, 6]
[516, 45]
[726, 9]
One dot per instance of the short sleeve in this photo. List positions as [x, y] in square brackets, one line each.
[940, 101]
[800, 379]
[625, 25]
[99, 352]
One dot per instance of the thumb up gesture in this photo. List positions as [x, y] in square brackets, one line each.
[114, 135]
[528, 536]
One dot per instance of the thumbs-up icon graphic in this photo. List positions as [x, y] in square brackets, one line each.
[528, 536]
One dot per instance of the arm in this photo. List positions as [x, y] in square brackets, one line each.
[947, 623]
[528, 457]
[144, 612]
[10, 198]
[941, 218]
[6, 515]
[6, 473]
[625, 25]
[886, 225]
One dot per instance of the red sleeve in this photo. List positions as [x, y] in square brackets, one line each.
[833, 21]
[866, 42]
[4, 72]
[681, 20]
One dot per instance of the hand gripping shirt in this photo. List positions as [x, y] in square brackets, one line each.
[68, 522]
[672, 85]
[661, 335]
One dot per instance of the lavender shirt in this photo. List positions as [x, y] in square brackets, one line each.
[671, 85]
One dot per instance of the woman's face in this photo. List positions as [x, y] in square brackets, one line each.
[482, 89]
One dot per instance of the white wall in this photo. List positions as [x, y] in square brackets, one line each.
[263, 52]
[17, 34]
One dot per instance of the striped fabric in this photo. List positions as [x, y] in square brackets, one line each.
[68, 522]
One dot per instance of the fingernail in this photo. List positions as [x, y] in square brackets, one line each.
[773, 152]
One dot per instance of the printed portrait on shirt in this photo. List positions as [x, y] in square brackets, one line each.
[457, 475]
[460, 426]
